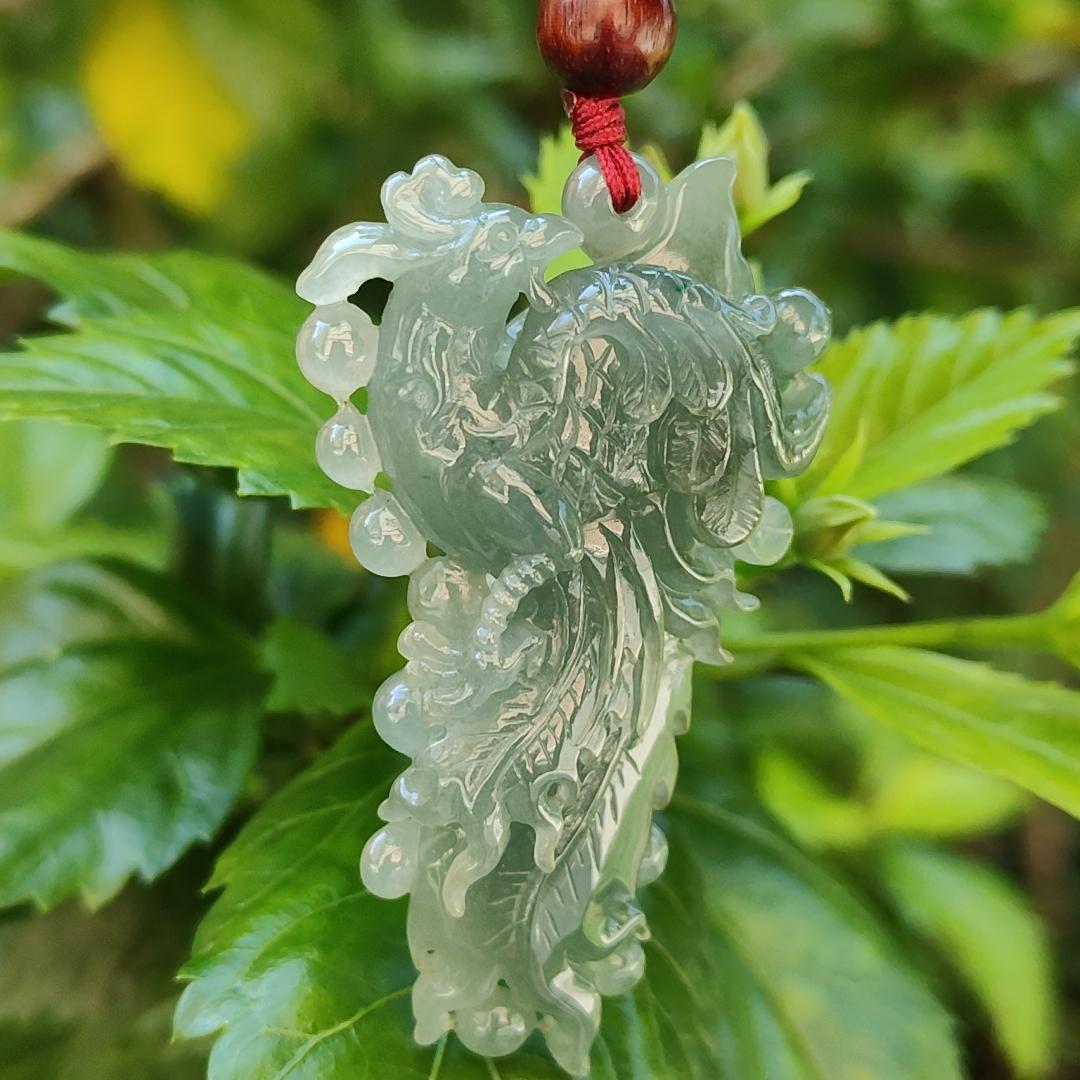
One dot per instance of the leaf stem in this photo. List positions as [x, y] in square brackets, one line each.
[998, 632]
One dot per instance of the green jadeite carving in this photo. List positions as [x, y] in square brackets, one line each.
[590, 471]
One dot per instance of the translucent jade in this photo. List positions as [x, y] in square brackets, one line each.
[590, 471]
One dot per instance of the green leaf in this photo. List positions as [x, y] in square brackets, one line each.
[805, 804]
[88, 997]
[926, 394]
[182, 351]
[128, 722]
[1025, 731]
[32, 1049]
[742, 137]
[828, 526]
[312, 674]
[787, 974]
[925, 795]
[846, 570]
[302, 973]
[50, 472]
[970, 522]
[1063, 624]
[558, 158]
[998, 946]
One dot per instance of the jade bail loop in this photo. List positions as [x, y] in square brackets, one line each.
[590, 471]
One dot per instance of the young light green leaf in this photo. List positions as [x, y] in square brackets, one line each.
[50, 471]
[925, 795]
[301, 973]
[187, 352]
[145, 543]
[980, 922]
[829, 527]
[929, 393]
[969, 522]
[558, 158]
[743, 138]
[656, 157]
[845, 570]
[862, 572]
[807, 806]
[312, 674]
[1025, 731]
[128, 722]
[1063, 624]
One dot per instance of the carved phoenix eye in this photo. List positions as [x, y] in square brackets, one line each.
[502, 239]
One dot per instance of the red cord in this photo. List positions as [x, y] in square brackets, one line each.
[599, 126]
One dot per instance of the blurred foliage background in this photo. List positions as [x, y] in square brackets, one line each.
[943, 138]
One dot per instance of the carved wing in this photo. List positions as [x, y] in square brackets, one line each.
[701, 236]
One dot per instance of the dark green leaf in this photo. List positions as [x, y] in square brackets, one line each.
[312, 674]
[770, 970]
[971, 522]
[761, 967]
[32, 1049]
[1025, 731]
[998, 946]
[128, 722]
[223, 549]
[307, 581]
[88, 997]
[303, 972]
[188, 352]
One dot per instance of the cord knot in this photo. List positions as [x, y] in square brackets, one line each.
[599, 127]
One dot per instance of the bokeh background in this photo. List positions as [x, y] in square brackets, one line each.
[943, 137]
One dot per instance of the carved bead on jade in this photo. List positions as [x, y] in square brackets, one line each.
[590, 471]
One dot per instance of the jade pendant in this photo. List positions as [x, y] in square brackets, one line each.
[569, 492]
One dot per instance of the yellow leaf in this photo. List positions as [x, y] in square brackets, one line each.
[161, 109]
[333, 531]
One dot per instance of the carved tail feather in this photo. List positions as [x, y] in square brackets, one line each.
[522, 905]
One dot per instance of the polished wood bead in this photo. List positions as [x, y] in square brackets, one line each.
[606, 48]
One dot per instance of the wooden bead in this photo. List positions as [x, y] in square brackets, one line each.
[606, 48]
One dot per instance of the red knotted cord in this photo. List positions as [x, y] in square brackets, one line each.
[599, 126]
